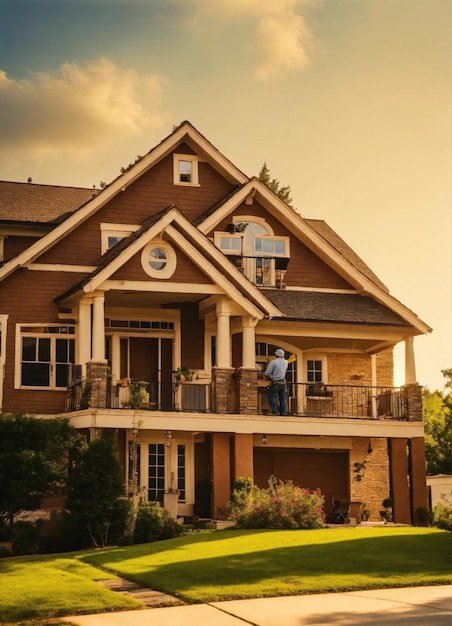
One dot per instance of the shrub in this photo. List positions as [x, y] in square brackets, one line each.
[442, 517]
[26, 537]
[281, 505]
[154, 523]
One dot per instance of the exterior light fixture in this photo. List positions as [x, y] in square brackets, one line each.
[168, 438]
[264, 439]
[369, 449]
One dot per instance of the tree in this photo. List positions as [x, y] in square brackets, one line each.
[283, 193]
[437, 411]
[33, 461]
[96, 504]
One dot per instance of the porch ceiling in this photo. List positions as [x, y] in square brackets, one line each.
[152, 300]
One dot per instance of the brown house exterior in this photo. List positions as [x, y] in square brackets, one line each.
[108, 298]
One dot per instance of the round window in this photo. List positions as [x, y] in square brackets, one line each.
[158, 259]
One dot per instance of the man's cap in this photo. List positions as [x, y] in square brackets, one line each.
[279, 352]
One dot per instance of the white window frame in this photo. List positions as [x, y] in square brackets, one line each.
[115, 230]
[315, 357]
[171, 259]
[218, 236]
[20, 334]
[190, 158]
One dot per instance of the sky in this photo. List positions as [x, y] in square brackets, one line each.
[347, 101]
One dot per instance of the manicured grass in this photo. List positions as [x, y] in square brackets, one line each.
[227, 564]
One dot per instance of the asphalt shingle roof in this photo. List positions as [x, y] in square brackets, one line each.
[332, 307]
[27, 202]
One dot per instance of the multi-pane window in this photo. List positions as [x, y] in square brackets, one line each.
[156, 472]
[270, 245]
[230, 244]
[46, 356]
[314, 371]
[185, 169]
[181, 471]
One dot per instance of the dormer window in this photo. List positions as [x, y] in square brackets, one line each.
[185, 168]
[112, 233]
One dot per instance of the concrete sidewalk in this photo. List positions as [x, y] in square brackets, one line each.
[408, 606]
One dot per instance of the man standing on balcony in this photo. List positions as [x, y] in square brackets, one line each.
[276, 371]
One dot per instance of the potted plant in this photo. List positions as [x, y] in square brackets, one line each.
[187, 374]
[365, 513]
[386, 514]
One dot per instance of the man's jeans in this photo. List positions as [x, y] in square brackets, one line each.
[277, 391]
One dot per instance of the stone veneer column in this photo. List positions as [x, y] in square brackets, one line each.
[96, 377]
[224, 400]
[414, 400]
[248, 392]
[221, 473]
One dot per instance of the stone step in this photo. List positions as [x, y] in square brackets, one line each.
[147, 596]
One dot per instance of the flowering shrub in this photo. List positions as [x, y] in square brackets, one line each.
[154, 523]
[281, 505]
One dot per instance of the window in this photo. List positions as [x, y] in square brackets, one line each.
[185, 169]
[46, 353]
[229, 244]
[159, 259]
[156, 472]
[112, 233]
[314, 371]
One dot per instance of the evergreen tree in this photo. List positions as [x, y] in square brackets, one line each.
[96, 504]
[273, 184]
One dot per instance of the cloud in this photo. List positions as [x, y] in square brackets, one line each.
[78, 108]
[282, 34]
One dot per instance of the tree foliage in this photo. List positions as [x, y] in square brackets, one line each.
[33, 461]
[437, 410]
[283, 193]
[96, 504]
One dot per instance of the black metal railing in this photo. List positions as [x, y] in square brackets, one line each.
[347, 401]
[265, 271]
[171, 395]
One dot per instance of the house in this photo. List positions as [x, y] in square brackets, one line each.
[152, 307]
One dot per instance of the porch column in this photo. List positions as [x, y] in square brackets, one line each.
[221, 473]
[248, 342]
[418, 477]
[84, 333]
[410, 365]
[223, 345]
[98, 354]
[243, 456]
[399, 481]
[373, 365]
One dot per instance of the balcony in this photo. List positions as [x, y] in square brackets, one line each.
[304, 400]
[264, 271]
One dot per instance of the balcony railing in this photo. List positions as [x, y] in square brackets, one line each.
[158, 396]
[303, 399]
[264, 271]
[349, 401]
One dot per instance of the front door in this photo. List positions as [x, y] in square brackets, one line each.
[150, 359]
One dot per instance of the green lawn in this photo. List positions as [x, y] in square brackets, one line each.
[227, 564]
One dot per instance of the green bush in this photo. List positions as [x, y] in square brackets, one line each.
[281, 505]
[442, 517]
[26, 537]
[155, 523]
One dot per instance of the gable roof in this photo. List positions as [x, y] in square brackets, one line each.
[315, 234]
[196, 246]
[28, 202]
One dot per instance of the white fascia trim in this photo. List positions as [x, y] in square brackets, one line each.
[317, 244]
[219, 278]
[120, 184]
[129, 252]
[332, 331]
[55, 267]
[162, 287]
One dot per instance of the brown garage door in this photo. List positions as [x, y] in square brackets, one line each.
[312, 469]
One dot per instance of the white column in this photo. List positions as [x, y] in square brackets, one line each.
[98, 353]
[223, 343]
[84, 333]
[373, 364]
[410, 366]
[248, 342]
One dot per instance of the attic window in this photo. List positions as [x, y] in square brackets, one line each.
[112, 233]
[185, 170]
[158, 259]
